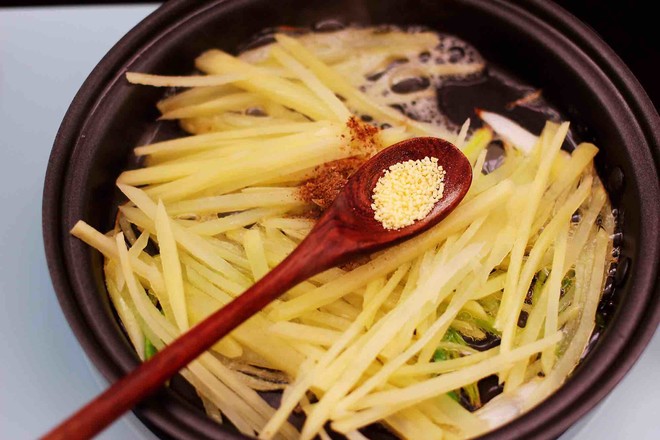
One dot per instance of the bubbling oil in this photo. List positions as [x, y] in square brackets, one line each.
[407, 78]
[411, 84]
[440, 83]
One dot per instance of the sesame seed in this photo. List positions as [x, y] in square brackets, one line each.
[407, 192]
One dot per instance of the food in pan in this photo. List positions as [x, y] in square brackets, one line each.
[447, 335]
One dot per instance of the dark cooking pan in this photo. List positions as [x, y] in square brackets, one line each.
[534, 39]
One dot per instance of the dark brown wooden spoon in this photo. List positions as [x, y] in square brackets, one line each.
[347, 228]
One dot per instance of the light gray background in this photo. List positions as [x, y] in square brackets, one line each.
[45, 55]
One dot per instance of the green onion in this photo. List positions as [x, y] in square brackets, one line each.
[149, 349]
[472, 392]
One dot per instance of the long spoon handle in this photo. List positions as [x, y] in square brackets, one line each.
[347, 227]
[309, 258]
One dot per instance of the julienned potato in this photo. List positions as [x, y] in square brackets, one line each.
[383, 342]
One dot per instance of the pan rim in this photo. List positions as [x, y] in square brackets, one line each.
[171, 417]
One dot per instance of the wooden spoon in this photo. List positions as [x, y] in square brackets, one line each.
[345, 229]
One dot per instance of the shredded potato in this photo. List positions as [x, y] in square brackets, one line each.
[389, 339]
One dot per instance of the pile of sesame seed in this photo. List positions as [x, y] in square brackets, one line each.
[407, 192]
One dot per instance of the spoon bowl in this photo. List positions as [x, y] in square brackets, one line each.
[346, 229]
[350, 220]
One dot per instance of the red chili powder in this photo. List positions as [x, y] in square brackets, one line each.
[363, 136]
[328, 179]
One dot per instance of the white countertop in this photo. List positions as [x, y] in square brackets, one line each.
[45, 55]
